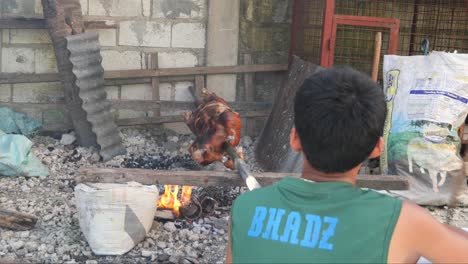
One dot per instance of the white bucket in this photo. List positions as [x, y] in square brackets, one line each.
[115, 217]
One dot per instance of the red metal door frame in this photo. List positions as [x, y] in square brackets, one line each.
[329, 33]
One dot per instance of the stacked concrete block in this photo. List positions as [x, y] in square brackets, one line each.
[175, 29]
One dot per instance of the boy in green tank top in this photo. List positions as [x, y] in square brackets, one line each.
[322, 217]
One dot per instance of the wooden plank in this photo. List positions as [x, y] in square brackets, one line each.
[40, 23]
[22, 23]
[199, 85]
[16, 221]
[377, 51]
[6, 78]
[216, 178]
[195, 71]
[249, 92]
[271, 152]
[100, 25]
[176, 119]
[249, 87]
[154, 65]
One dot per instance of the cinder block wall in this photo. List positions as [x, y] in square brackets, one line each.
[176, 29]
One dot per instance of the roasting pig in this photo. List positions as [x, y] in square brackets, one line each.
[214, 124]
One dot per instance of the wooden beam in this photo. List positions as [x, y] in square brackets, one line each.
[199, 85]
[217, 178]
[177, 119]
[249, 92]
[22, 23]
[7, 78]
[16, 221]
[195, 71]
[174, 74]
[141, 105]
[39, 23]
[153, 64]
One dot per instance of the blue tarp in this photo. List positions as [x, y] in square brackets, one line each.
[17, 123]
[16, 158]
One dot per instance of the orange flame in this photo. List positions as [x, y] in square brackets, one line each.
[170, 200]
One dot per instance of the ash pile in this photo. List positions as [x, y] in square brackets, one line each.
[57, 238]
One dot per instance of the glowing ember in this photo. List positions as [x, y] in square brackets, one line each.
[170, 200]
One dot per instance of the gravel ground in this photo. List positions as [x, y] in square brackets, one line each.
[57, 237]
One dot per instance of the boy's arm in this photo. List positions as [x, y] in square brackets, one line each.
[228, 248]
[418, 233]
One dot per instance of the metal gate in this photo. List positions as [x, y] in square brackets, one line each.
[443, 23]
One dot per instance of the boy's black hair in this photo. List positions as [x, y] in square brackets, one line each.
[339, 117]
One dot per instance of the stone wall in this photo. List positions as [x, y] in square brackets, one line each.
[176, 29]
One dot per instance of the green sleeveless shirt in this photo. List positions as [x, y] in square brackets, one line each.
[299, 221]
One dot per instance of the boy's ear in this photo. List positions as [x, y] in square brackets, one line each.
[294, 140]
[377, 149]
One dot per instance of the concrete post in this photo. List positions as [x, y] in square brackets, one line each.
[223, 45]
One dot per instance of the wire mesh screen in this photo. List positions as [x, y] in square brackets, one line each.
[443, 23]
[355, 46]
[309, 29]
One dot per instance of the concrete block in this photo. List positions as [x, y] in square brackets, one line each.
[124, 8]
[112, 92]
[188, 35]
[182, 92]
[18, 60]
[223, 45]
[173, 9]
[29, 36]
[146, 7]
[38, 93]
[84, 6]
[125, 113]
[144, 33]
[107, 37]
[136, 92]
[45, 61]
[5, 92]
[166, 92]
[121, 60]
[21, 8]
[177, 59]
[5, 36]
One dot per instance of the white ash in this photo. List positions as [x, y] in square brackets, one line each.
[57, 237]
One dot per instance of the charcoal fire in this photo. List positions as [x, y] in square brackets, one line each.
[214, 124]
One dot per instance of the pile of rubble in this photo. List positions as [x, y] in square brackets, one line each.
[57, 238]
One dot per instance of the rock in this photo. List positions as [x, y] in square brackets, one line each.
[246, 141]
[170, 227]
[48, 217]
[21, 252]
[194, 237]
[163, 258]
[25, 188]
[67, 139]
[161, 245]
[220, 224]
[24, 234]
[32, 246]
[174, 259]
[50, 249]
[146, 253]
[95, 158]
[17, 245]
[91, 262]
